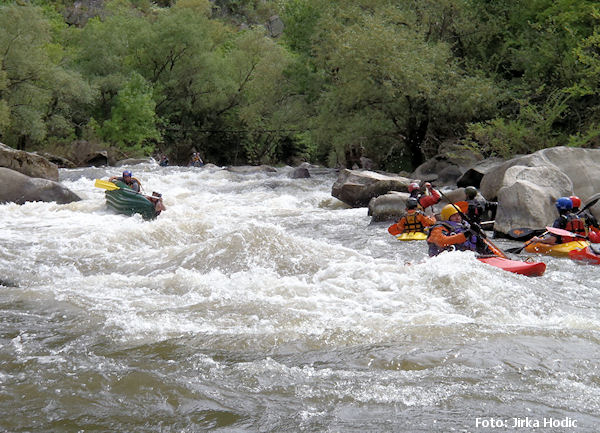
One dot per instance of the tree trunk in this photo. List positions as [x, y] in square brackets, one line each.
[418, 124]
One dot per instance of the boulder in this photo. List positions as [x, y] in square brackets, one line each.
[59, 161]
[528, 198]
[275, 26]
[474, 174]
[29, 164]
[300, 173]
[18, 188]
[581, 166]
[98, 158]
[356, 188]
[388, 207]
[448, 165]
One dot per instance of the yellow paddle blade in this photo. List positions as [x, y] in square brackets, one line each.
[105, 184]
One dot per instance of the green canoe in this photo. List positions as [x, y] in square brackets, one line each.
[128, 202]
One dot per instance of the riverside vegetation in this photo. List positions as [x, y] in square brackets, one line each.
[391, 80]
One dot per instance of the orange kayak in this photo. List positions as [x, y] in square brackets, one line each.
[556, 250]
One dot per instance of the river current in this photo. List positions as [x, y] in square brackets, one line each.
[260, 303]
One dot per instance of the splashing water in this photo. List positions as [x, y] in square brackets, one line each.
[258, 302]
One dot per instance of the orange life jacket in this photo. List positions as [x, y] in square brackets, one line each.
[412, 223]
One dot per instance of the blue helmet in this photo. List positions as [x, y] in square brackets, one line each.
[564, 203]
[127, 173]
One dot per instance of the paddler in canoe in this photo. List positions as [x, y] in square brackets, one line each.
[128, 180]
[124, 196]
[413, 222]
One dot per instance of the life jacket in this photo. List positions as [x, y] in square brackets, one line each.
[475, 211]
[576, 225]
[133, 179]
[572, 223]
[412, 223]
[448, 229]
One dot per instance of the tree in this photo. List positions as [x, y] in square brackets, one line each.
[133, 121]
[38, 95]
[390, 89]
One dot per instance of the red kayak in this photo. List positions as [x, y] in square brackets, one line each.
[585, 255]
[530, 269]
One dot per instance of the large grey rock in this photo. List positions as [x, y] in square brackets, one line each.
[300, 173]
[357, 188]
[580, 165]
[448, 165]
[388, 207]
[528, 198]
[18, 188]
[30, 164]
[475, 173]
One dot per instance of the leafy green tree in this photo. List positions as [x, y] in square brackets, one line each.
[133, 120]
[390, 90]
[38, 94]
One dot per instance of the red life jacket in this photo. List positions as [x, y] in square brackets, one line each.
[576, 225]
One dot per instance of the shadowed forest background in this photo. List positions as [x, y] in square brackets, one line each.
[389, 80]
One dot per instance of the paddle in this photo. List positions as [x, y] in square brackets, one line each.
[561, 232]
[106, 184]
[586, 207]
[524, 233]
[480, 233]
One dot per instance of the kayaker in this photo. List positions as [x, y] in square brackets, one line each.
[478, 207]
[156, 198]
[590, 221]
[128, 180]
[414, 220]
[423, 200]
[566, 220]
[451, 233]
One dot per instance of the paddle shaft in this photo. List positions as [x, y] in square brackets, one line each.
[481, 234]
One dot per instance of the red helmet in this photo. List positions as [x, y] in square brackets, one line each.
[576, 201]
[413, 186]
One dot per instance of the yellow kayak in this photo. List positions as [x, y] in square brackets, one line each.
[556, 250]
[412, 236]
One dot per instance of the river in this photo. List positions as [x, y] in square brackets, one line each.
[259, 303]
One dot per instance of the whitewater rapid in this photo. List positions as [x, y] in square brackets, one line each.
[258, 302]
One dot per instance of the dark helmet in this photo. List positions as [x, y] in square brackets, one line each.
[576, 201]
[412, 203]
[127, 173]
[564, 203]
[413, 186]
[471, 192]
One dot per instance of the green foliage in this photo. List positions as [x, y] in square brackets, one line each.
[133, 121]
[388, 79]
[301, 19]
[39, 96]
[387, 84]
[531, 131]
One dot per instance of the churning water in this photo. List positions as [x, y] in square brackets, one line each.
[259, 303]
